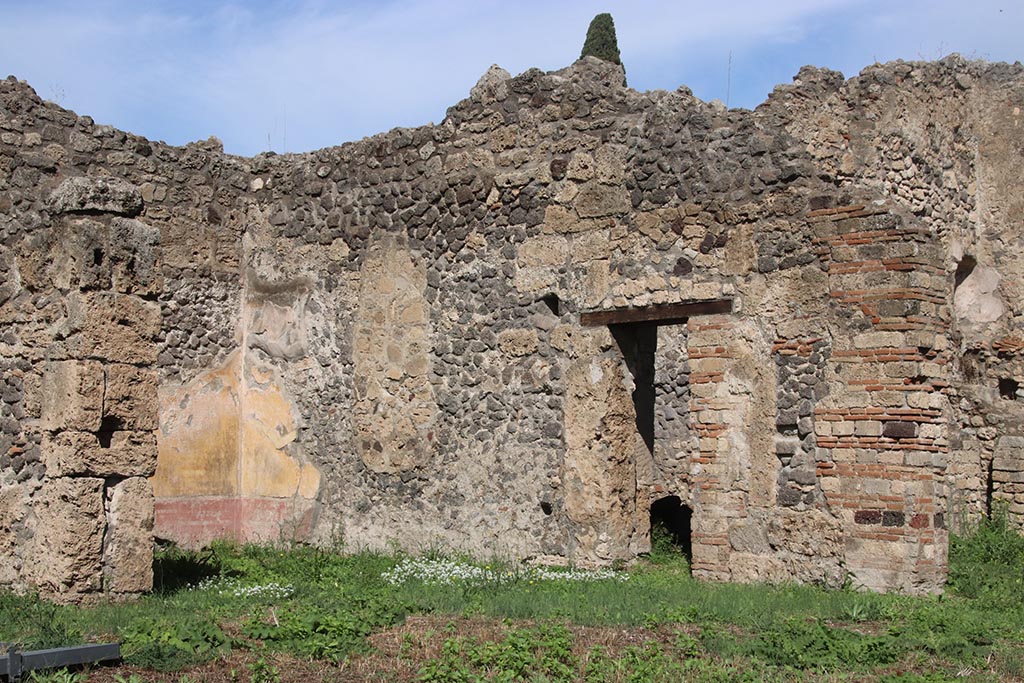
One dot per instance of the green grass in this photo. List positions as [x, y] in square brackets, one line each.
[322, 605]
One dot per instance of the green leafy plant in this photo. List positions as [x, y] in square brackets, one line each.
[911, 677]
[1008, 661]
[943, 632]
[33, 623]
[175, 568]
[809, 644]
[859, 611]
[666, 547]
[131, 678]
[322, 605]
[261, 671]
[164, 644]
[598, 665]
[543, 653]
[450, 666]
[987, 562]
[648, 663]
[330, 632]
[58, 676]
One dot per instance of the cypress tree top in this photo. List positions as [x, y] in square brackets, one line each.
[601, 41]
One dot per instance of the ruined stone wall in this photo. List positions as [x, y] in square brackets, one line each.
[944, 141]
[381, 343]
[85, 212]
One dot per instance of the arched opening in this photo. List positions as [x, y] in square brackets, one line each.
[671, 528]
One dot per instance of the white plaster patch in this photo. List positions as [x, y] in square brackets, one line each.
[976, 300]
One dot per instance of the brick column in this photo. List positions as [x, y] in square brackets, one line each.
[882, 430]
[712, 417]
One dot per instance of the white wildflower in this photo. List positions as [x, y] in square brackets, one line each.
[443, 572]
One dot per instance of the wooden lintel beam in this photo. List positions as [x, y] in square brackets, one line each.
[661, 313]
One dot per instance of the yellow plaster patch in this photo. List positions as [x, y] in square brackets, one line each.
[218, 437]
[198, 437]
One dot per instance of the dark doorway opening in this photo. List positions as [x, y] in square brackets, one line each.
[638, 343]
[671, 527]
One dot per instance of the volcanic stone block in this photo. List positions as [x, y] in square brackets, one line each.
[114, 327]
[899, 430]
[119, 453]
[891, 518]
[135, 256]
[867, 517]
[130, 401]
[544, 250]
[128, 553]
[597, 199]
[14, 507]
[72, 395]
[1009, 454]
[518, 342]
[106, 195]
[66, 551]
[85, 262]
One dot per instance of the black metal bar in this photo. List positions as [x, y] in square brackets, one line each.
[10, 664]
[14, 669]
[14, 663]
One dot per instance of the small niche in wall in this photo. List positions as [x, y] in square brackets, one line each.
[108, 426]
[1008, 388]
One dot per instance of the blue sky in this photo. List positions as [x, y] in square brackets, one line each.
[297, 75]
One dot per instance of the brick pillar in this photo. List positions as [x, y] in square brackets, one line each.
[882, 430]
[712, 418]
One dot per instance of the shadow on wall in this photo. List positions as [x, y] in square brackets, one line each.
[639, 343]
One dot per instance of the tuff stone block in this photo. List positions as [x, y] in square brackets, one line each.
[113, 327]
[64, 557]
[128, 541]
[102, 194]
[99, 454]
[130, 399]
[72, 395]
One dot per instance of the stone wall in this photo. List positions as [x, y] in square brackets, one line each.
[387, 342]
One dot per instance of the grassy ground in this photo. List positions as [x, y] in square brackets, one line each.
[260, 615]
